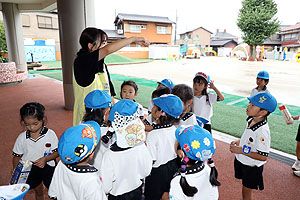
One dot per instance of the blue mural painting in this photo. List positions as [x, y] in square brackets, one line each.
[40, 52]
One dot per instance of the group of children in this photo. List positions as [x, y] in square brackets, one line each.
[119, 152]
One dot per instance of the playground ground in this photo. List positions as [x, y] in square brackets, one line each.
[279, 181]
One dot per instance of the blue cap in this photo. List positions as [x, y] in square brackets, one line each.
[263, 74]
[196, 142]
[202, 74]
[78, 142]
[124, 107]
[97, 99]
[14, 192]
[170, 104]
[167, 82]
[264, 100]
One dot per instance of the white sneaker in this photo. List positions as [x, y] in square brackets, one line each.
[296, 166]
[297, 173]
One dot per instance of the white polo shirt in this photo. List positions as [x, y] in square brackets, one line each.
[196, 176]
[255, 90]
[188, 119]
[76, 183]
[160, 142]
[255, 139]
[33, 149]
[202, 108]
[123, 169]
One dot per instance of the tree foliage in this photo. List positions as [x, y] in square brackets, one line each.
[3, 46]
[257, 21]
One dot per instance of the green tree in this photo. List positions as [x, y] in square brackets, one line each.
[3, 46]
[257, 21]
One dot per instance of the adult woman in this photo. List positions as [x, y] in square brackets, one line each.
[90, 71]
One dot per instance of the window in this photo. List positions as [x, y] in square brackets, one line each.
[161, 30]
[135, 28]
[25, 20]
[44, 22]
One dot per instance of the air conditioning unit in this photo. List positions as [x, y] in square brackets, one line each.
[120, 31]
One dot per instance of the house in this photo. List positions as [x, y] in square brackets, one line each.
[200, 33]
[156, 29]
[290, 37]
[223, 40]
[274, 40]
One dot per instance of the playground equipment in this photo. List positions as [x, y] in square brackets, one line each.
[298, 56]
[193, 52]
[240, 51]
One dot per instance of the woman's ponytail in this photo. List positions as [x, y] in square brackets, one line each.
[213, 173]
[188, 190]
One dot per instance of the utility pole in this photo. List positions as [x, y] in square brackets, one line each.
[175, 28]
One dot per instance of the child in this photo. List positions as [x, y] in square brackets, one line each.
[262, 81]
[203, 100]
[296, 165]
[185, 93]
[129, 90]
[128, 161]
[162, 84]
[37, 144]
[160, 142]
[149, 121]
[74, 178]
[252, 150]
[97, 106]
[195, 180]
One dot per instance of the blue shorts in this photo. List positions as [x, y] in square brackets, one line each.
[251, 176]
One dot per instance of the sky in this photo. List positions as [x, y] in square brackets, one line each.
[191, 14]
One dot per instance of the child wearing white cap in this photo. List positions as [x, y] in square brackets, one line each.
[128, 161]
[262, 81]
[252, 150]
[160, 142]
[195, 180]
[203, 100]
[73, 177]
[97, 107]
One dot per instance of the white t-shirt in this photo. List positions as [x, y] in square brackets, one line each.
[188, 119]
[33, 149]
[141, 110]
[76, 183]
[160, 142]
[202, 108]
[255, 139]
[255, 90]
[122, 170]
[198, 179]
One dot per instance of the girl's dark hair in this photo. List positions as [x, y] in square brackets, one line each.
[96, 115]
[167, 119]
[130, 83]
[32, 109]
[184, 92]
[90, 35]
[199, 79]
[160, 91]
[188, 190]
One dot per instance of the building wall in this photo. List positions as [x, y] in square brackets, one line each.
[44, 29]
[203, 35]
[230, 45]
[150, 33]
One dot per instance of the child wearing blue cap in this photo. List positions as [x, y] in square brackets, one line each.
[97, 107]
[165, 83]
[262, 81]
[203, 100]
[128, 160]
[73, 177]
[195, 180]
[252, 150]
[161, 142]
